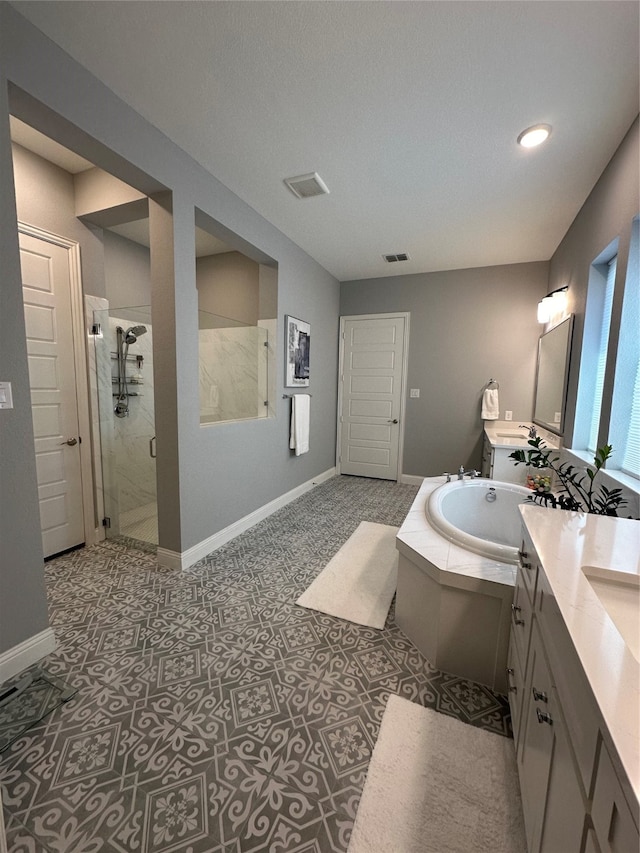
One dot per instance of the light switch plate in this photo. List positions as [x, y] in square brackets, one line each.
[508, 416]
[414, 392]
[6, 396]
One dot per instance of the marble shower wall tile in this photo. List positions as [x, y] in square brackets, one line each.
[233, 374]
[134, 469]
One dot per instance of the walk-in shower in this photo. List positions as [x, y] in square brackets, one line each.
[123, 341]
[124, 366]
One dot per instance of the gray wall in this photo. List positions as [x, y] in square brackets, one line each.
[606, 215]
[466, 327]
[228, 286]
[45, 197]
[207, 477]
[126, 271]
[23, 603]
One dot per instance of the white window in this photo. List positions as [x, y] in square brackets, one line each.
[595, 345]
[624, 433]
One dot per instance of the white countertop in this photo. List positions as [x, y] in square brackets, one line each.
[509, 434]
[565, 542]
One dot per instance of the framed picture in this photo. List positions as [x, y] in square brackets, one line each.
[298, 338]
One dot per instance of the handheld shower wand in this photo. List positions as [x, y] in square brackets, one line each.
[124, 339]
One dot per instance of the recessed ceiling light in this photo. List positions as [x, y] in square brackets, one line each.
[533, 136]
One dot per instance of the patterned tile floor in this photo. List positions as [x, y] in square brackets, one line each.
[213, 714]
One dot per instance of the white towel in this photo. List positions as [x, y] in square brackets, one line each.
[300, 411]
[490, 405]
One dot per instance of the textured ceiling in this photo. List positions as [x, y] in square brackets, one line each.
[409, 111]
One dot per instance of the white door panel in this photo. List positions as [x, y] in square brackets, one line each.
[52, 378]
[370, 432]
[373, 351]
[369, 456]
[360, 384]
[368, 359]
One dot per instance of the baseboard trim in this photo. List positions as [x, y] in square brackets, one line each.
[22, 656]
[185, 559]
[411, 480]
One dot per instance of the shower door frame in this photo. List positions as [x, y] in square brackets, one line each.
[92, 533]
[107, 478]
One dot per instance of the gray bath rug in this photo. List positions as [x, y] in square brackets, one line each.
[359, 582]
[27, 699]
[437, 785]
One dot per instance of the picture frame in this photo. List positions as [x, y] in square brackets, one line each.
[298, 344]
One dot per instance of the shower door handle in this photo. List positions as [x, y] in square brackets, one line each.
[152, 447]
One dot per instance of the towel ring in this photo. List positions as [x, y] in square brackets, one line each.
[492, 383]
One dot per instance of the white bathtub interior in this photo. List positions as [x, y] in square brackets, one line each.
[479, 515]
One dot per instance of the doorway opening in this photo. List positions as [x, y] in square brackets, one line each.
[95, 454]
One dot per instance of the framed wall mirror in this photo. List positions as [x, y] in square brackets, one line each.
[554, 350]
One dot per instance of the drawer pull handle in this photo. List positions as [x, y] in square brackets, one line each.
[539, 696]
[543, 717]
[515, 609]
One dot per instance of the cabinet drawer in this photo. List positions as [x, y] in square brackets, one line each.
[553, 803]
[521, 619]
[570, 681]
[615, 827]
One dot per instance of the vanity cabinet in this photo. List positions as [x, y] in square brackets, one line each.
[553, 800]
[574, 800]
[496, 464]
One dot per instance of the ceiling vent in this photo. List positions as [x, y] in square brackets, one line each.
[307, 186]
[399, 256]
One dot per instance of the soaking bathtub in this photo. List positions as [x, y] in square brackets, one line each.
[480, 516]
[458, 550]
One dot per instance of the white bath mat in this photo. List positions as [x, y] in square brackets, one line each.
[436, 785]
[360, 580]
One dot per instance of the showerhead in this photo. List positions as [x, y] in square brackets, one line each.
[133, 333]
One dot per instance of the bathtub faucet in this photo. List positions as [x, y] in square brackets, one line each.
[472, 473]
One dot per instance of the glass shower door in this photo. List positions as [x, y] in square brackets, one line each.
[124, 361]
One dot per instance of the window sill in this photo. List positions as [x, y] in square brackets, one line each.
[623, 480]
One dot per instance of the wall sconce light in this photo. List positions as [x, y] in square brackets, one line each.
[553, 303]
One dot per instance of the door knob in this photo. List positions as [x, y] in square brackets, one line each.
[71, 442]
[394, 421]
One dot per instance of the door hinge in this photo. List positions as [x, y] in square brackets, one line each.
[106, 521]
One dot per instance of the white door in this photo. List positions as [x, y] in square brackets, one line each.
[47, 310]
[372, 393]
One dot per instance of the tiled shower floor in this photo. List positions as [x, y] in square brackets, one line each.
[141, 523]
[213, 714]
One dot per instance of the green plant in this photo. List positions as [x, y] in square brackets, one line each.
[577, 489]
